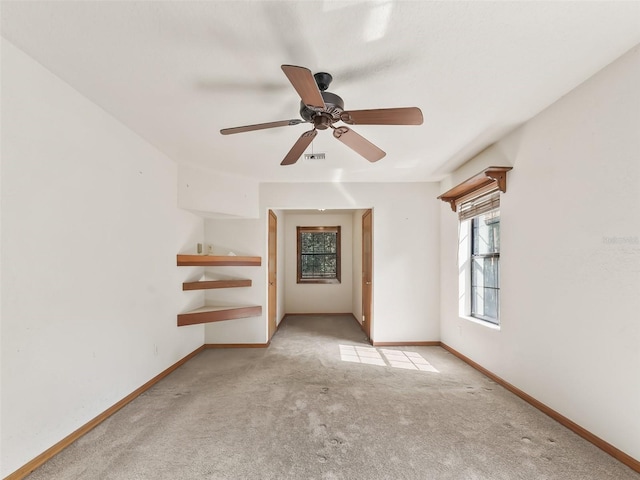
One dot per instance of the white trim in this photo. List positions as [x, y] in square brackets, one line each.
[464, 268]
[479, 321]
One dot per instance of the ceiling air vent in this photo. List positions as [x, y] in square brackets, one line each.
[314, 156]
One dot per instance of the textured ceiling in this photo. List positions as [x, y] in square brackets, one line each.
[176, 72]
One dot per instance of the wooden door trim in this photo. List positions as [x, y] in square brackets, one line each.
[369, 318]
[272, 269]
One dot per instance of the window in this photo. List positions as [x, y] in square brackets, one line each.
[477, 201]
[485, 262]
[318, 254]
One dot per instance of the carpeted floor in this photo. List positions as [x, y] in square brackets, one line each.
[320, 403]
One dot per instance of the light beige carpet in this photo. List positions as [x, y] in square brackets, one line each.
[320, 403]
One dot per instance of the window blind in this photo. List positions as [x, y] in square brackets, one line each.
[477, 205]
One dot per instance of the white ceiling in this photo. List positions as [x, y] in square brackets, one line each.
[176, 72]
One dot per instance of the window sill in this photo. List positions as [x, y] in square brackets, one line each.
[484, 323]
[319, 281]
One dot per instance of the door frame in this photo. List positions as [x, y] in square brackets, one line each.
[367, 281]
[272, 276]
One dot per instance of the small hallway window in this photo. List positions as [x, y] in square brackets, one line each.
[318, 254]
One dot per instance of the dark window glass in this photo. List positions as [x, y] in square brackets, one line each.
[318, 254]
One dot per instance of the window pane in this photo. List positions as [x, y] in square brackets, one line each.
[316, 242]
[486, 233]
[330, 242]
[485, 272]
[331, 264]
[318, 266]
[485, 303]
[324, 266]
[306, 240]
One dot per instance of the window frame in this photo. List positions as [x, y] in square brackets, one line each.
[472, 256]
[299, 253]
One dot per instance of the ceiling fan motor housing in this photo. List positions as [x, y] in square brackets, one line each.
[323, 80]
[333, 103]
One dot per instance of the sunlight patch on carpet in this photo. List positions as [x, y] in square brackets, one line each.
[385, 358]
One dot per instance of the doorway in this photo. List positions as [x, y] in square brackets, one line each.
[344, 297]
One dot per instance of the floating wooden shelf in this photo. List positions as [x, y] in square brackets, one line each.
[217, 261]
[491, 175]
[215, 313]
[208, 284]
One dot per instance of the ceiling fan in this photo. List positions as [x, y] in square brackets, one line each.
[323, 109]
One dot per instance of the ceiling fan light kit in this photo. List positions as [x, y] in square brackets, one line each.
[322, 109]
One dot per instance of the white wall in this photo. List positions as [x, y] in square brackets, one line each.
[406, 234]
[90, 230]
[405, 231]
[570, 259]
[213, 194]
[314, 297]
[242, 237]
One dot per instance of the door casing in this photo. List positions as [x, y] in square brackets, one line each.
[272, 274]
[367, 273]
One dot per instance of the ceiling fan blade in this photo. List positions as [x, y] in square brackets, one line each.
[384, 116]
[260, 126]
[358, 143]
[302, 80]
[299, 147]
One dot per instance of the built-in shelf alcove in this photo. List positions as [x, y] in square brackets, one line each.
[217, 313]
